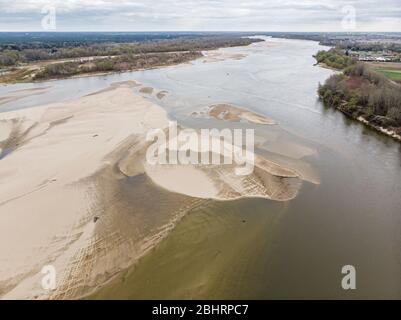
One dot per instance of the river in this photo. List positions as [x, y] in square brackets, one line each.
[254, 248]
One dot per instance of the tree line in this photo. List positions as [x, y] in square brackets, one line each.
[13, 56]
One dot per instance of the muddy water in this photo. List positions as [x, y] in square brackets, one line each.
[255, 248]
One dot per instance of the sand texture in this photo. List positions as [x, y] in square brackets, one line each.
[78, 193]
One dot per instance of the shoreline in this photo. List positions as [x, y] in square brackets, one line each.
[325, 66]
[368, 124]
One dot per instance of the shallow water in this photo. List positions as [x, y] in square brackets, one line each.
[256, 248]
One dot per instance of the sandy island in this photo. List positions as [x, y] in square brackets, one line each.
[229, 112]
[65, 198]
[221, 55]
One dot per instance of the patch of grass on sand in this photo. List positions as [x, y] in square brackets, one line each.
[19, 75]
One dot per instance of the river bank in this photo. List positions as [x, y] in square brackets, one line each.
[388, 132]
[365, 96]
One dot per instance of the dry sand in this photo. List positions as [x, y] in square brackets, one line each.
[67, 195]
[269, 179]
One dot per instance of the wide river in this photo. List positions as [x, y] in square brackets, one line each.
[254, 248]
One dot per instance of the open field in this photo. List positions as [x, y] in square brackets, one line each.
[391, 70]
[394, 75]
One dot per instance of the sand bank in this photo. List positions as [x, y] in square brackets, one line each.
[45, 204]
[229, 112]
[79, 195]
[146, 90]
[221, 55]
[269, 179]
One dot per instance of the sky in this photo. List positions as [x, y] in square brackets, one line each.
[200, 15]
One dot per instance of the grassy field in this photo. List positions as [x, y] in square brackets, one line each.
[394, 75]
[390, 70]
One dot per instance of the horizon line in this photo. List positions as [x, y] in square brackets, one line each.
[198, 31]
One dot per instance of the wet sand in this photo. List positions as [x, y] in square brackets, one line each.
[228, 112]
[146, 90]
[161, 94]
[210, 251]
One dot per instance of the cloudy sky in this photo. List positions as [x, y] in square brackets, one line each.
[203, 15]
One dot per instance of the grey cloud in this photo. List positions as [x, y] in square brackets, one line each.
[199, 14]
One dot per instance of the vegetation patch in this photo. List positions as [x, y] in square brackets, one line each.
[116, 64]
[334, 58]
[365, 94]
